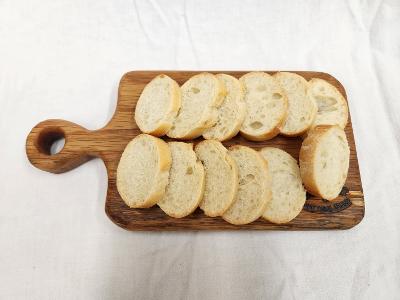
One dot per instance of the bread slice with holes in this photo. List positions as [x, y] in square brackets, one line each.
[202, 94]
[302, 109]
[231, 113]
[266, 105]
[221, 181]
[254, 191]
[186, 182]
[332, 106]
[288, 194]
[158, 105]
[324, 161]
[143, 170]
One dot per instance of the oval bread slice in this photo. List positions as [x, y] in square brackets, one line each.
[254, 191]
[158, 105]
[186, 182]
[231, 113]
[142, 172]
[266, 105]
[332, 106]
[302, 109]
[288, 194]
[324, 161]
[202, 94]
[221, 172]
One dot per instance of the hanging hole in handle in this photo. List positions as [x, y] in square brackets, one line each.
[57, 146]
[51, 141]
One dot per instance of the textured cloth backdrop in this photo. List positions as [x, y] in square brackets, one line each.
[63, 59]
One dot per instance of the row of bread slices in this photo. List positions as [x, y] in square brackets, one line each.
[239, 184]
[257, 104]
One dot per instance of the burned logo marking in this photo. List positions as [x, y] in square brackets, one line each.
[327, 207]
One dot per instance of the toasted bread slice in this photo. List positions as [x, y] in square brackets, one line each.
[221, 177]
[185, 188]
[254, 186]
[231, 113]
[202, 94]
[324, 161]
[266, 105]
[142, 172]
[332, 106]
[288, 194]
[158, 105]
[302, 109]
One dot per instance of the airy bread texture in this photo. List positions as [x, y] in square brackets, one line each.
[231, 113]
[266, 105]
[142, 172]
[302, 109]
[186, 182]
[221, 177]
[202, 94]
[254, 186]
[324, 161]
[332, 107]
[158, 105]
[288, 194]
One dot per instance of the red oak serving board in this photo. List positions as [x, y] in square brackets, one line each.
[108, 143]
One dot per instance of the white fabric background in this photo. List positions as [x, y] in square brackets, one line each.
[63, 59]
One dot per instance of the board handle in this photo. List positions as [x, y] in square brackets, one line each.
[79, 146]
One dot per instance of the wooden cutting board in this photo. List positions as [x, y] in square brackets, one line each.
[108, 143]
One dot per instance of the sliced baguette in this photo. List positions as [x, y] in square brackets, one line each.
[185, 188]
[302, 109]
[158, 105]
[142, 172]
[332, 106]
[221, 172]
[288, 194]
[266, 105]
[254, 186]
[202, 94]
[231, 113]
[324, 161]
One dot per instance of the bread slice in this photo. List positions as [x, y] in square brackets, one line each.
[231, 113]
[302, 109]
[288, 194]
[186, 182]
[332, 106]
[254, 186]
[142, 172]
[158, 105]
[221, 183]
[266, 105]
[324, 161]
[202, 94]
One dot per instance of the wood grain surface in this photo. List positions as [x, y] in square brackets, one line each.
[108, 143]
